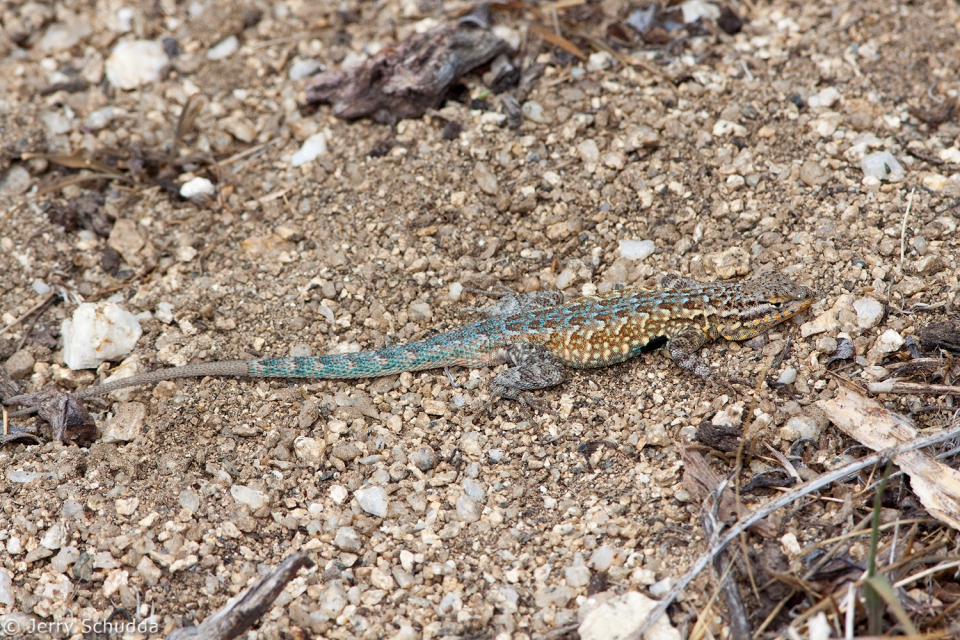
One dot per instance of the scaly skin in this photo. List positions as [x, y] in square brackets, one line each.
[541, 340]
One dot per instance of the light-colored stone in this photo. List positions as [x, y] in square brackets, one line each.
[98, 332]
[134, 63]
[126, 424]
[619, 617]
[869, 312]
[373, 500]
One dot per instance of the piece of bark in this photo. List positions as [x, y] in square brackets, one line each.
[405, 80]
[870, 423]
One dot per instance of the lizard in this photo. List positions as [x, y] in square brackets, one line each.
[541, 337]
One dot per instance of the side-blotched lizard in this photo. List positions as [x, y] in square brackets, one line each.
[540, 337]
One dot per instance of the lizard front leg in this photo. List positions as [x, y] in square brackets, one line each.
[683, 351]
[534, 367]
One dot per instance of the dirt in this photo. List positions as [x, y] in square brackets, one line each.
[737, 158]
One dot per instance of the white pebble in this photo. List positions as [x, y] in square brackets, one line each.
[311, 149]
[637, 249]
[164, 312]
[882, 166]
[303, 68]
[826, 97]
[600, 60]
[338, 493]
[250, 497]
[19, 476]
[533, 111]
[197, 188]
[869, 312]
[223, 49]
[662, 587]
[6, 588]
[100, 118]
[565, 278]
[789, 376]
[620, 617]
[889, 342]
[589, 151]
[602, 558]
[189, 500]
[693, 10]
[799, 427]
[373, 500]
[134, 63]
[310, 450]
[40, 287]
[468, 510]
[456, 290]
[98, 332]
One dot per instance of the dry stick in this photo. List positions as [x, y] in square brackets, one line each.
[895, 386]
[236, 617]
[783, 500]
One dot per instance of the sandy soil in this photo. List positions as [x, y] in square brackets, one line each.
[497, 525]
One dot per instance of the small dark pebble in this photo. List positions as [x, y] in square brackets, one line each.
[729, 21]
[797, 100]
[479, 103]
[171, 46]
[451, 130]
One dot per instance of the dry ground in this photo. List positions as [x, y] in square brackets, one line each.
[731, 171]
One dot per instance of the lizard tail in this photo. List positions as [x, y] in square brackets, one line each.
[199, 370]
[416, 356]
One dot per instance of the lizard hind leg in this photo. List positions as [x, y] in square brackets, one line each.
[534, 367]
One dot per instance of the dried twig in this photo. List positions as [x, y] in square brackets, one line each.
[236, 616]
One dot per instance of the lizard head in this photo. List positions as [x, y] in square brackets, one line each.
[763, 303]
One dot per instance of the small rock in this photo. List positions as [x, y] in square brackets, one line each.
[333, 600]
[799, 427]
[889, 342]
[812, 173]
[345, 451]
[62, 562]
[619, 618]
[134, 63]
[65, 34]
[642, 137]
[486, 179]
[789, 376]
[224, 49]
[53, 537]
[882, 166]
[661, 587]
[557, 596]
[602, 558]
[19, 476]
[869, 312]
[790, 545]
[424, 458]
[577, 574]
[533, 111]
[250, 497]
[589, 151]
[6, 588]
[373, 500]
[189, 500]
[240, 128]
[301, 69]
[16, 182]
[20, 364]
[468, 509]
[735, 261]
[420, 312]
[149, 571]
[310, 450]
[127, 506]
[826, 97]
[125, 239]
[126, 424]
[600, 60]
[197, 189]
[951, 155]
[694, 10]
[347, 539]
[338, 493]
[98, 332]
[727, 128]
[729, 417]
[100, 118]
[311, 149]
